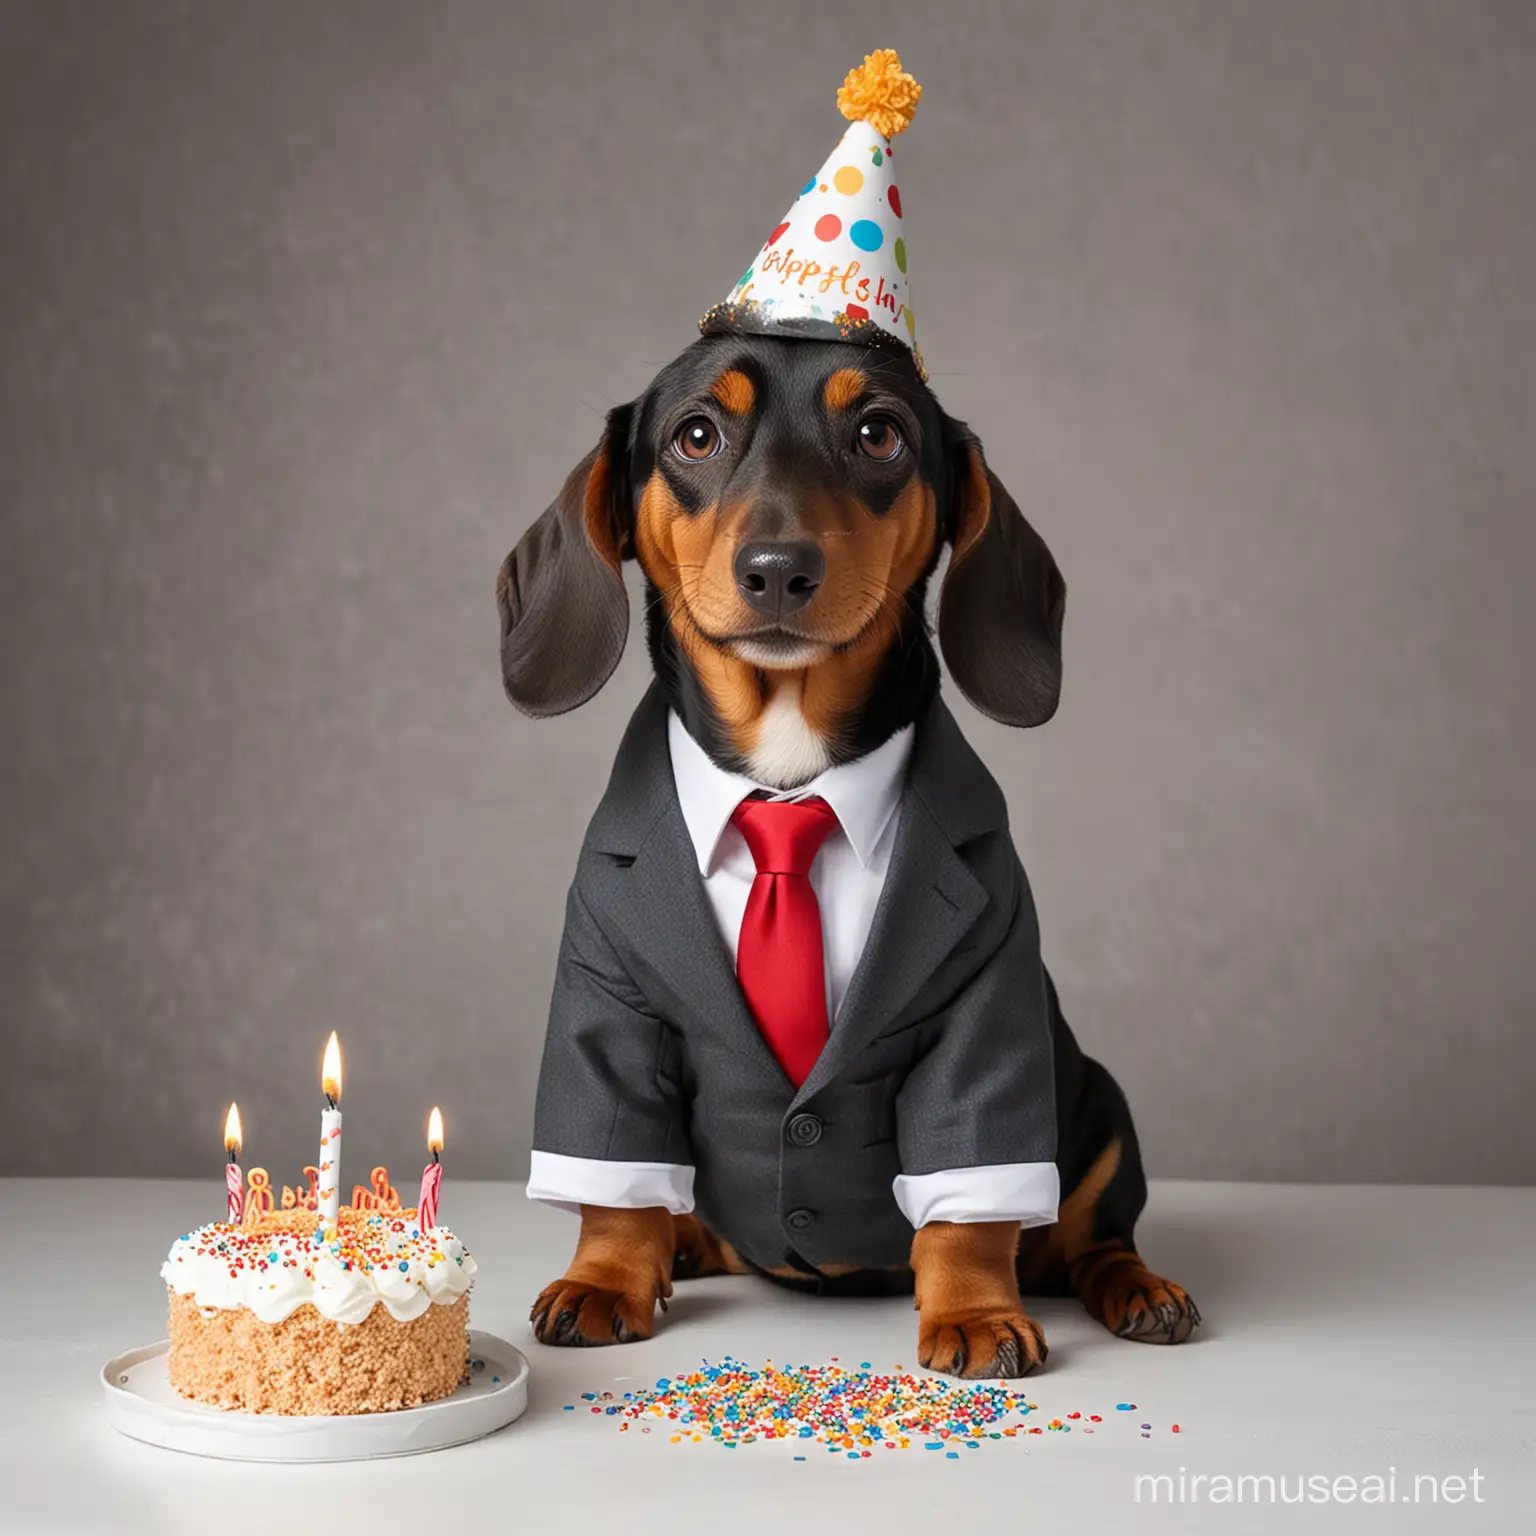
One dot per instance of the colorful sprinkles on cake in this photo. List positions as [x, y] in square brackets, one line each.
[364, 1244]
[851, 1413]
[284, 1261]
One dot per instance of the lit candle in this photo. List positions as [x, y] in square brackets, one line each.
[233, 1178]
[432, 1174]
[330, 1134]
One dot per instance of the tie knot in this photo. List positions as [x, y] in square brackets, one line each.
[784, 835]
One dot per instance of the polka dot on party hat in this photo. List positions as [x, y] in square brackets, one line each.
[835, 266]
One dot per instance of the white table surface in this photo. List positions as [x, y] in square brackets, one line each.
[1348, 1330]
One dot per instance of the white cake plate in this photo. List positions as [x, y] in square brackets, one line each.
[142, 1403]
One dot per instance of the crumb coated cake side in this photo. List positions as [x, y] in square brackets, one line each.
[308, 1364]
[285, 1317]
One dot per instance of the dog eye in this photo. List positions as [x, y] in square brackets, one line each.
[878, 438]
[698, 438]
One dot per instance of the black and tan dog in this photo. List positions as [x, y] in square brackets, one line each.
[788, 502]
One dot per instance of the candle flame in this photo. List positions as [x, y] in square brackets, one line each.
[232, 1138]
[435, 1130]
[330, 1068]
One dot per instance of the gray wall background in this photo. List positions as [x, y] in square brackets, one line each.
[306, 310]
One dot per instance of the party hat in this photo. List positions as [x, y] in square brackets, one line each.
[835, 267]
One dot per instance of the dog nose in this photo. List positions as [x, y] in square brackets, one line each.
[778, 578]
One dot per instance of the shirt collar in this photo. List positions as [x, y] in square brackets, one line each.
[864, 794]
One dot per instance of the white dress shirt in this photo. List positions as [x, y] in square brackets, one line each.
[847, 876]
[849, 871]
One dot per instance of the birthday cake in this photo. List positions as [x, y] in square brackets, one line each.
[283, 1314]
[302, 1305]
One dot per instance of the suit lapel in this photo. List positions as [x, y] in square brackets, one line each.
[654, 893]
[669, 916]
[930, 899]
[929, 902]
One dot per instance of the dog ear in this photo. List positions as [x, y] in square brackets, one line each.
[1001, 608]
[564, 611]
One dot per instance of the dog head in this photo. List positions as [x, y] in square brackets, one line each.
[787, 501]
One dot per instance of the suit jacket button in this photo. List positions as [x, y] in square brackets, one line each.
[800, 1220]
[804, 1130]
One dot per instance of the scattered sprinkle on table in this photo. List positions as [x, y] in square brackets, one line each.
[850, 1412]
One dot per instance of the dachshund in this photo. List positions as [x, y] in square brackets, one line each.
[788, 502]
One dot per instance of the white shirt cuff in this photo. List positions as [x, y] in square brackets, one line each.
[1027, 1193]
[572, 1182]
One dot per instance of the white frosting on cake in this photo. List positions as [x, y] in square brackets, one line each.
[384, 1260]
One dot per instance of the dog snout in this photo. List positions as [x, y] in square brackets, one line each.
[779, 577]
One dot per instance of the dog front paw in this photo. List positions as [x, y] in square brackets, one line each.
[1152, 1310]
[574, 1313]
[1002, 1344]
[1129, 1299]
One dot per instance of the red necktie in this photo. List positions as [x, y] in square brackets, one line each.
[778, 957]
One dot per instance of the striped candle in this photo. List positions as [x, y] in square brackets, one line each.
[328, 1201]
[234, 1180]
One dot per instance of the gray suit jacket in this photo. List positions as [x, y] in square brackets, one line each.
[940, 1056]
